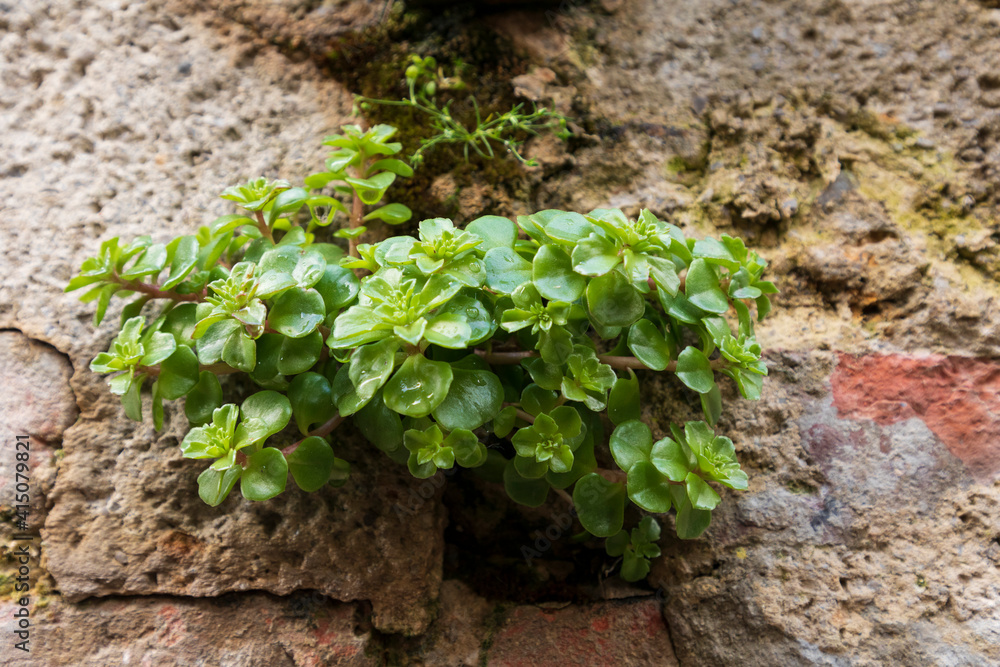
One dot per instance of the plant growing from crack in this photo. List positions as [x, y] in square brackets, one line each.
[525, 335]
[502, 132]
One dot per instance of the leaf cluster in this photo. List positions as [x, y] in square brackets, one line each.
[502, 347]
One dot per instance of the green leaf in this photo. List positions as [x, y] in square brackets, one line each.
[634, 568]
[506, 270]
[397, 167]
[309, 269]
[312, 401]
[391, 214]
[545, 375]
[159, 346]
[381, 426]
[178, 373]
[214, 485]
[553, 275]
[418, 387]
[664, 274]
[690, 522]
[469, 452]
[649, 346]
[297, 312]
[297, 355]
[695, 370]
[648, 488]
[702, 288]
[565, 226]
[185, 257]
[338, 287]
[371, 190]
[371, 365]
[495, 231]
[150, 262]
[595, 256]
[289, 201]
[631, 443]
[265, 475]
[503, 423]
[240, 351]
[311, 463]
[131, 401]
[701, 495]
[210, 344]
[669, 457]
[530, 492]
[623, 402]
[271, 408]
[711, 405]
[600, 504]
[104, 295]
[613, 301]
[203, 399]
[474, 398]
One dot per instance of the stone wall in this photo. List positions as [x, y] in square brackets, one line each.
[856, 143]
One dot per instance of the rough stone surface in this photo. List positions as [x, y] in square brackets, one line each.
[856, 143]
[249, 630]
[606, 634]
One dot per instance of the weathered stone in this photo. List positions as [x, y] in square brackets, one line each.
[606, 634]
[236, 631]
[456, 637]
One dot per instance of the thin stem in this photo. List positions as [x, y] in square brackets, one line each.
[357, 212]
[525, 416]
[501, 358]
[565, 496]
[264, 229]
[217, 369]
[325, 429]
[154, 291]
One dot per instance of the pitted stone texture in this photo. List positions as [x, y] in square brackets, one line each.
[861, 541]
[123, 119]
[251, 630]
[626, 633]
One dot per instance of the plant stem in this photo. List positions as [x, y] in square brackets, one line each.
[501, 358]
[325, 429]
[154, 291]
[357, 212]
[565, 496]
[264, 229]
[217, 369]
[525, 416]
[612, 475]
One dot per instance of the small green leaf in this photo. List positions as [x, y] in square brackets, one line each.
[270, 407]
[600, 504]
[150, 262]
[474, 398]
[553, 275]
[648, 488]
[214, 485]
[311, 463]
[495, 231]
[240, 351]
[381, 426]
[371, 365]
[265, 475]
[418, 387]
[312, 401]
[669, 457]
[711, 405]
[530, 492]
[297, 355]
[631, 443]
[185, 257]
[701, 495]
[595, 256]
[371, 190]
[391, 214]
[647, 343]
[702, 288]
[613, 301]
[338, 287]
[695, 370]
[623, 401]
[297, 312]
[506, 270]
[203, 399]
[178, 373]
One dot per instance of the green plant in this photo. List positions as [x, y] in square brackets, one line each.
[529, 332]
[425, 80]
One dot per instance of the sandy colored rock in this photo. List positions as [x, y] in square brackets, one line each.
[236, 630]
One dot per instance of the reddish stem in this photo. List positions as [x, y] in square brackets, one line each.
[264, 229]
[320, 431]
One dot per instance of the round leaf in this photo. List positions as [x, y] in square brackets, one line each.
[311, 463]
[495, 231]
[648, 488]
[270, 407]
[474, 398]
[553, 275]
[297, 355]
[600, 504]
[702, 288]
[214, 485]
[265, 475]
[202, 401]
[506, 270]
[311, 400]
[418, 387]
[613, 301]
[631, 443]
[530, 492]
[623, 402]
[648, 345]
[178, 373]
[695, 370]
[297, 312]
